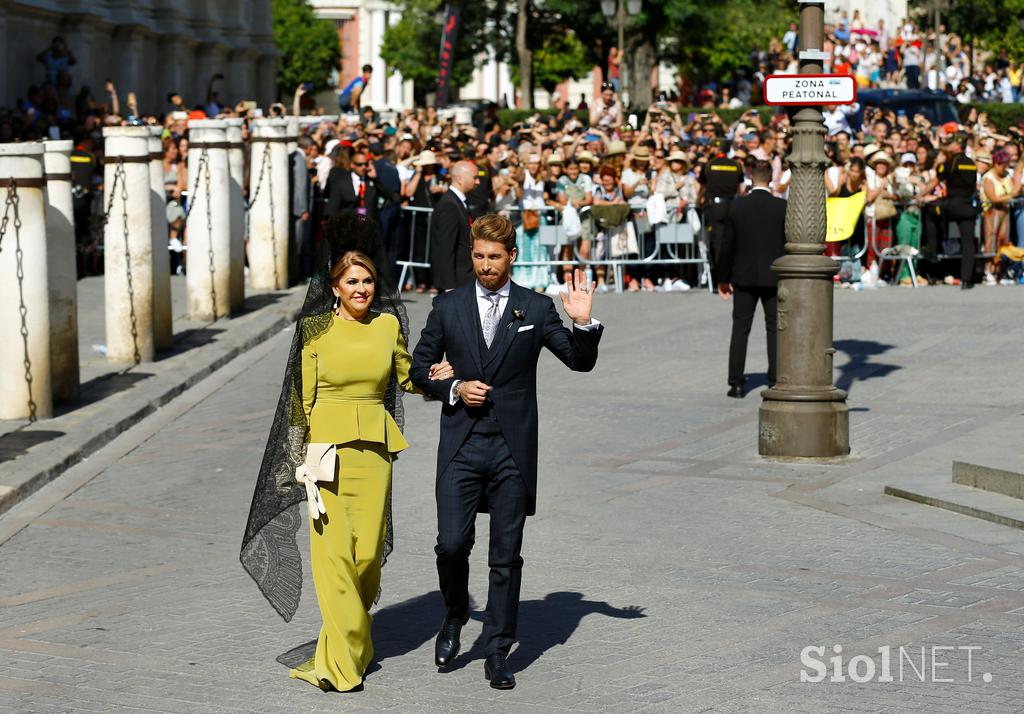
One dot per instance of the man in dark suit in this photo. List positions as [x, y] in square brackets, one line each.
[450, 247]
[388, 206]
[755, 235]
[492, 332]
[354, 189]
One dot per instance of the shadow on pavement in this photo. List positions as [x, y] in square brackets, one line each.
[17, 443]
[258, 302]
[860, 367]
[99, 388]
[189, 340]
[543, 624]
[397, 630]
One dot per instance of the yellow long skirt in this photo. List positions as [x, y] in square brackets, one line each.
[346, 545]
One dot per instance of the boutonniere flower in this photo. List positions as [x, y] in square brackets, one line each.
[517, 316]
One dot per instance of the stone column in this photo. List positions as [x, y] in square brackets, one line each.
[269, 209]
[24, 296]
[163, 328]
[804, 414]
[208, 229]
[128, 245]
[62, 271]
[236, 169]
[294, 125]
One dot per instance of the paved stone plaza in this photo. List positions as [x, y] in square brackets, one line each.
[669, 568]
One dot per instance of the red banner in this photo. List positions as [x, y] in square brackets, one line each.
[447, 58]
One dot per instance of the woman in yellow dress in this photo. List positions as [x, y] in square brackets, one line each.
[347, 364]
[345, 372]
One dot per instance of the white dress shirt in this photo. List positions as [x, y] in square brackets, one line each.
[483, 305]
[462, 197]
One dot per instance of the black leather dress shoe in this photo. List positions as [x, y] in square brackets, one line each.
[446, 646]
[966, 286]
[497, 673]
[735, 391]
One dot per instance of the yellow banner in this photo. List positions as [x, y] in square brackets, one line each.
[841, 216]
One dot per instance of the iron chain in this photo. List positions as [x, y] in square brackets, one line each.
[205, 162]
[11, 205]
[119, 174]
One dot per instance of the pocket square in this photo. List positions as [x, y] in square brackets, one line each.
[525, 328]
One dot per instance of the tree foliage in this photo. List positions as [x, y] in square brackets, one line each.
[411, 45]
[988, 24]
[706, 40]
[309, 46]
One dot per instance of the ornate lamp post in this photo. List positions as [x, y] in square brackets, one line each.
[804, 414]
[620, 14]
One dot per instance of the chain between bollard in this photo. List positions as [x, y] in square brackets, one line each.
[273, 224]
[119, 173]
[203, 161]
[259, 180]
[11, 204]
[209, 234]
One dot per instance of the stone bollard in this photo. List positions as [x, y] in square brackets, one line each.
[269, 209]
[163, 328]
[128, 245]
[62, 271]
[236, 167]
[24, 296]
[208, 260]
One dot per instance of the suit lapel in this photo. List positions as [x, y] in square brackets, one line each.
[507, 328]
[470, 320]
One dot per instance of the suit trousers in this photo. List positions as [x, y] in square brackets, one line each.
[715, 217]
[961, 213]
[482, 469]
[744, 303]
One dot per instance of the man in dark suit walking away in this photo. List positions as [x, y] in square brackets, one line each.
[450, 263]
[755, 235]
[492, 332]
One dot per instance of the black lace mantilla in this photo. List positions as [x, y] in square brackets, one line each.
[270, 553]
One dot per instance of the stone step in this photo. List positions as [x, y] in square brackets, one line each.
[988, 478]
[965, 500]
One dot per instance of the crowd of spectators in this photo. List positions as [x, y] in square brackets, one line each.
[608, 177]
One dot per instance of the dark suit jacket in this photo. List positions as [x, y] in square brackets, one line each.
[755, 235]
[451, 263]
[340, 195]
[453, 332]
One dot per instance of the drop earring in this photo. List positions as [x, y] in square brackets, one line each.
[337, 302]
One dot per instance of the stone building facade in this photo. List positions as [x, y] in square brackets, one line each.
[151, 47]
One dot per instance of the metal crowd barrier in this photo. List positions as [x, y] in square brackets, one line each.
[676, 241]
[952, 232]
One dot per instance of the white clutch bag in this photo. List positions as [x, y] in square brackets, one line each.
[319, 466]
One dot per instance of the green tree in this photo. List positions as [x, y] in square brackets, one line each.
[990, 25]
[704, 40]
[561, 57]
[411, 45]
[556, 53]
[309, 46]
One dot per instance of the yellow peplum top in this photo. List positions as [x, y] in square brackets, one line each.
[345, 372]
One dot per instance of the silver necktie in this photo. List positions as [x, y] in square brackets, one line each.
[491, 318]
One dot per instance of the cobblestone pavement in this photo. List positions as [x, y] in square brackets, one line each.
[669, 568]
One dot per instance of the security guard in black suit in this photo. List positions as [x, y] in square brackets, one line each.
[959, 174]
[720, 182]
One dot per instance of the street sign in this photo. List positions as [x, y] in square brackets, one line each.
[810, 89]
